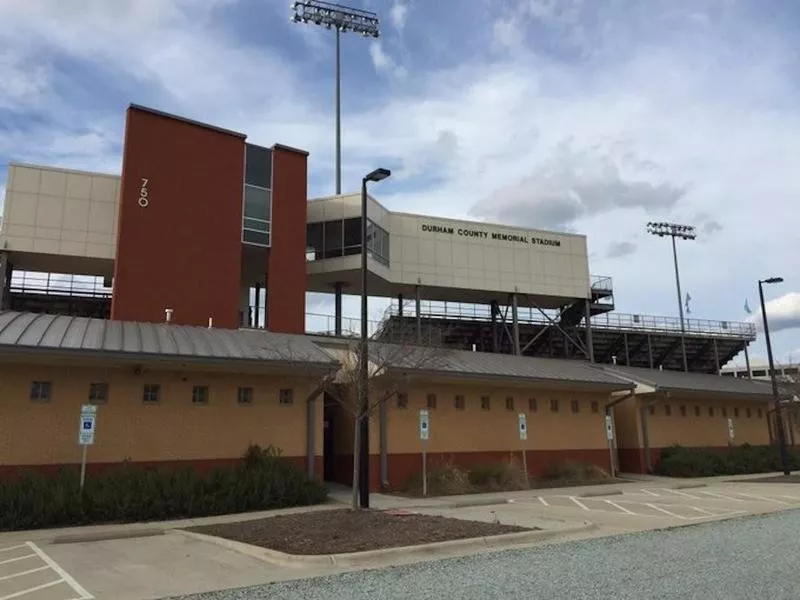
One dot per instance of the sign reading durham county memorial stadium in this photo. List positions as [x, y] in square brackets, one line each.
[484, 234]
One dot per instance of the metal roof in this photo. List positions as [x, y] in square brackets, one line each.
[680, 381]
[66, 334]
[444, 361]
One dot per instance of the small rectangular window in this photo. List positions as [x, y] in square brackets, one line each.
[151, 393]
[432, 401]
[553, 404]
[724, 412]
[651, 410]
[595, 406]
[41, 391]
[509, 403]
[710, 411]
[760, 373]
[459, 402]
[696, 411]
[683, 411]
[668, 410]
[736, 412]
[98, 393]
[748, 413]
[402, 400]
[200, 394]
[759, 413]
[286, 396]
[486, 403]
[532, 405]
[244, 395]
[576, 407]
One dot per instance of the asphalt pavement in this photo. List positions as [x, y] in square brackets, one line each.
[738, 559]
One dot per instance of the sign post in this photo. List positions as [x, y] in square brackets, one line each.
[86, 430]
[610, 438]
[731, 431]
[523, 437]
[424, 433]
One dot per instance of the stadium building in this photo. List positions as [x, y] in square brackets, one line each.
[192, 331]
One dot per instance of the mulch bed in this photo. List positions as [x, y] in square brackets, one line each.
[339, 531]
[794, 478]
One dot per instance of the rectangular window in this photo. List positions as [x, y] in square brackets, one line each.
[736, 412]
[509, 403]
[333, 239]
[256, 238]
[151, 393]
[595, 406]
[41, 391]
[760, 373]
[651, 410]
[256, 215]
[553, 404]
[286, 396]
[683, 411]
[432, 401]
[459, 402]
[748, 413]
[377, 242]
[98, 393]
[710, 411]
[486, 403]
[576, 407]
[244, 395]
[696, 411]
[200, 394]
[668, 409]
[759, 413]
[533, 405]
[352, 236]
[402, 400]
[724, 412]
[258, 166]
[314, 242]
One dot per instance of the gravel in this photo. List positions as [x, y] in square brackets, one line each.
[742, 559]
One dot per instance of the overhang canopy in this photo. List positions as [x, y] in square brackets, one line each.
[654, 380]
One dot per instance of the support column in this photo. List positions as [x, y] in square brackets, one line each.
[645, 438]
[650, 350]
[588, 320]
[515, 323]
[311, 432]
[337, 308]
[494, 310]
[627, 351]
[418, 304]
[716, 357]
[383, 415]
[5, 281]
[747, 362]
[256, 317]
[400, 305]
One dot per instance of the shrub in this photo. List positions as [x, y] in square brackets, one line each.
[499, 477]
[573, 470]
[129, 493]
[443, 480]
[677, 461]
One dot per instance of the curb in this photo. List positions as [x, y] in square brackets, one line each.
[689, 486]
[601, 493]
[391, 555]
[104, 536]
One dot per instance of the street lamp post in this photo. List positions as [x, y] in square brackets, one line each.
[363, 372]
[773, 378]
[684, 232]
[342, 19]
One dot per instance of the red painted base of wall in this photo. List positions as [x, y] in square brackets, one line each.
[402, 466]
[201, 466]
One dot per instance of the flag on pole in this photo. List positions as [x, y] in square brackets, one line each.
[747, 308]
[688, 298]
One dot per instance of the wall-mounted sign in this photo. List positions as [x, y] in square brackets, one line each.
[144, 193]
[523, 426]
[424, 429]
[514, 238]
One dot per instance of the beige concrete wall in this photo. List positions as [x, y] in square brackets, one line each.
[63, 212]
[628, 424]
[33, 433]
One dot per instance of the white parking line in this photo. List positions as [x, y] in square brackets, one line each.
[579, 503]
[82, 593]
[622, 508]
[762, 498]
[21, 573]
[16, 558]
[665, 511]
[649, 493]
[33, 589]
[703, 511]
[684, 494]
[18, 546]
[543, 501]
[720, 496]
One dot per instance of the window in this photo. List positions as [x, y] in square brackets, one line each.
[98, 393]
[352, 236]
[459, 402]
[432, 401]
[724, 412]
[314, 241]
[41, 391]
[256, 215]
[668, 410]
[683, 411]
[377, 242]
[402, 400]
[595, 406]
[245, 395]
[258, 166]
[736, 412]
[696, 411]
[710, 411]
[748, 413]
[151, 393]
[200, 394]
[576, 407]
[509, 403]
[553, 404]
[759, 413]
[286, 396]
[651, 410]
[760, 373]
[333, 239]
[486, 403]
[532, 405]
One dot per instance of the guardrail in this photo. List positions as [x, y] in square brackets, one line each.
[57, 284]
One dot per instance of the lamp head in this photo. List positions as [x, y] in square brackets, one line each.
[378, 175]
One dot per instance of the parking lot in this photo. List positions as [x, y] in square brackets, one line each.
[26, 572]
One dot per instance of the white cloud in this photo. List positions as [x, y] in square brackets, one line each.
[384, 63]
[782, 313]
[398, 14]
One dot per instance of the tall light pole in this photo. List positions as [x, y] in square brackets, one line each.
[342, 19]
[773, 377]
[684, 232]
[363, 367]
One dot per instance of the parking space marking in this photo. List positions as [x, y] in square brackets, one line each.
[649, 493]
[680, 493]
[66, 577]
[665, 511]
[621, 508]
[16, 558]
[17, 547]
[579, 503]
[720, 496]
[762, 498]
[21, 573]
[543, 501]
[703, 511]
[33, 589]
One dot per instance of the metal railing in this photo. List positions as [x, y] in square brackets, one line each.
[58, 284]
[601, 283]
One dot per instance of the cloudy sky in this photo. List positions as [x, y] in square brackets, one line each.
[593, 116]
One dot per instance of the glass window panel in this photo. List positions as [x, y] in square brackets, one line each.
[255, 237]
[333, 239]
[314, 239]
[256, 203]
[256, 224]
[352, 232]
[258, 166]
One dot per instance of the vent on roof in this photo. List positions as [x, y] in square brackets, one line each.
[168, 315]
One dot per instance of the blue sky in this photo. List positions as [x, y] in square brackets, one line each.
[593, 116]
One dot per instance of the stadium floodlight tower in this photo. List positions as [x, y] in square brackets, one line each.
[342, 19]
[684, 232]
